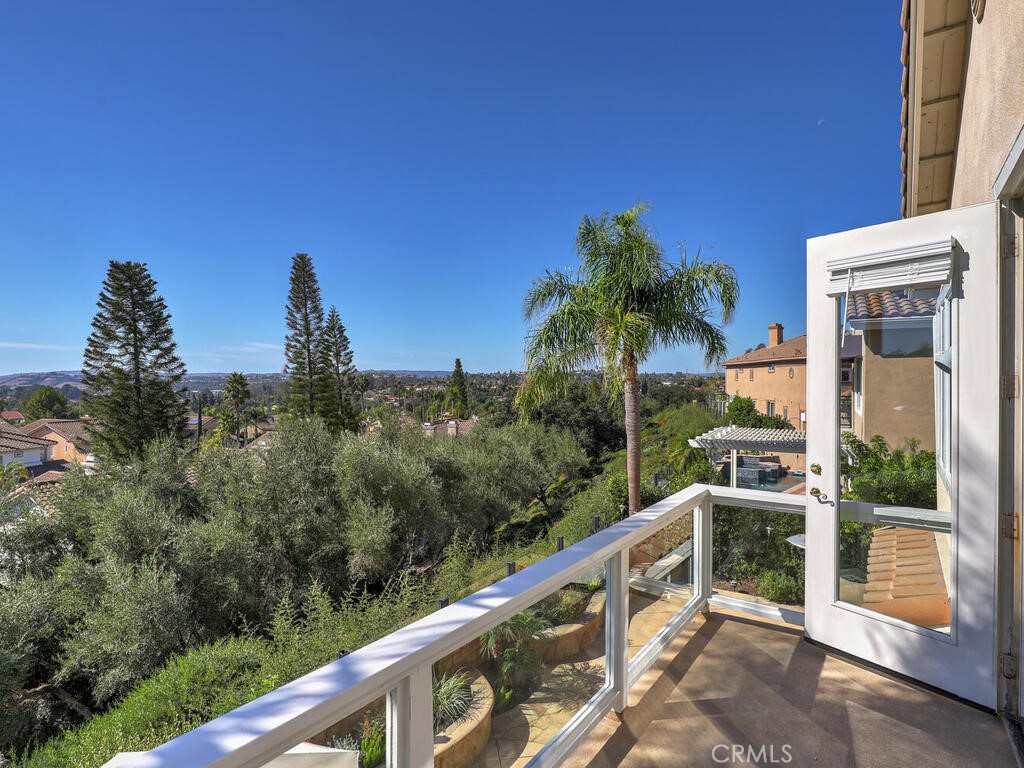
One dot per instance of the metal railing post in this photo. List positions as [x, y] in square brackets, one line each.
[410, 722]
[702, 521]
[617, 627]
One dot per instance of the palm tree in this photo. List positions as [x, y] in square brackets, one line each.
[236, 393]
[620, 305]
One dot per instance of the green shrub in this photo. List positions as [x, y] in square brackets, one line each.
[566, 605]
[510, 645]
[453, 697]
[780, 587]
[189, 690]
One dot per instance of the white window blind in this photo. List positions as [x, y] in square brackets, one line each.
[912, 266]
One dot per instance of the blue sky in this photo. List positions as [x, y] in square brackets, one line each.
[431, 157]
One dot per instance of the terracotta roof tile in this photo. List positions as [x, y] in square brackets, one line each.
[72, 430]
[791, 349]
[13, 439]
[889, 305]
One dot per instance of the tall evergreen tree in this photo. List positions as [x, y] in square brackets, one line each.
[309, 388]
[131, 369]
[236, 393]
[458, 395]
[341, 373]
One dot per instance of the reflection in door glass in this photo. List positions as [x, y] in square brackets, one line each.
[895, 532]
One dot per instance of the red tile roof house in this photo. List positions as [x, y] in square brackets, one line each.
[16, 446]
[71, 439]
[15, 417]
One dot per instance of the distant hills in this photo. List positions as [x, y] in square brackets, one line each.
[212, 380]
[72, 380]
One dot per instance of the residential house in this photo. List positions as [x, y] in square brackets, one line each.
[450, 426]
[16, 446]
[894, 367]
[194, 428]
[774, 377]
[14, 417]
[71, 439]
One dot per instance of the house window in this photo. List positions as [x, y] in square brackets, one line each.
[942, 342]
[737, 375]
[771, 368]
[751, 374]
[770, 407]
[785, 412]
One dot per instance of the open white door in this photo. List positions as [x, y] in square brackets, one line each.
[902, 528]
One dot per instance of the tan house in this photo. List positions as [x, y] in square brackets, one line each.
[774, 377]
[72, 442]
[894, 372]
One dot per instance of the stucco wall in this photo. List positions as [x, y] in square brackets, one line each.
[777, 386]
[992, 113]
[63, 450]
[899, 396]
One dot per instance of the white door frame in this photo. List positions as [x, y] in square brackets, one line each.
[965, 661]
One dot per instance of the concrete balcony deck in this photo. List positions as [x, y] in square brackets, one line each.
[734, 680]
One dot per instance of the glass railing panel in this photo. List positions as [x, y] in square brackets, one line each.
[758, 555]
[662, 578]
[536, 671]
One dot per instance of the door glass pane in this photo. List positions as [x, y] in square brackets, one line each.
[895, 533]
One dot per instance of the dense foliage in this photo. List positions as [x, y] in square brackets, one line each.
[743, 413]
[148, 560]
[47, 403]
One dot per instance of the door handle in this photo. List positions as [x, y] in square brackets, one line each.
[821, 497]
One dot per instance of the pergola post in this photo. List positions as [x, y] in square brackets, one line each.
[733, 454]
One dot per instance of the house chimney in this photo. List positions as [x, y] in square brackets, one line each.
[774, 334]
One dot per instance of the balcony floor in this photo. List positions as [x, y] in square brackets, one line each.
[732, 680]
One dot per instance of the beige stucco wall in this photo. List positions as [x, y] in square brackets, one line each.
[777, 386]
[992, 112]
[899, 399]
[64, 450]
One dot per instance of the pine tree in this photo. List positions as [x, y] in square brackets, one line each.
[457, 393]
[236, 393]
[131, 369]
[309, 390]
[341, 373]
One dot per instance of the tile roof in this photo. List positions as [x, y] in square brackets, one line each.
[791, 349]
[13, 439]
[889, 305]
[72, 430]
[11, 415]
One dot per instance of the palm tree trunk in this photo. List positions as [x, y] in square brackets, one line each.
[631, 395]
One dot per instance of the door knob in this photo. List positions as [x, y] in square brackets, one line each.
[815, 469]
[815, 492]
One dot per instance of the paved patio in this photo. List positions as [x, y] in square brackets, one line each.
[730, 681]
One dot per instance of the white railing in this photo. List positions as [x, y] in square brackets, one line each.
[398, 666]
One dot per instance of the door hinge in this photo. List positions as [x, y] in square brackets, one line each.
[1008, 664]
[1009, 386]
[1008, 526]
